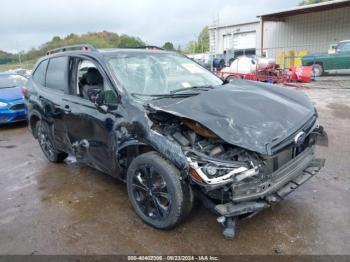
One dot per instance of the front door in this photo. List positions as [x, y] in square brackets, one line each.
[90, 131]
[343, 56]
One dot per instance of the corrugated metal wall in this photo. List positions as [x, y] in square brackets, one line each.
[300, 34]
[313, 32]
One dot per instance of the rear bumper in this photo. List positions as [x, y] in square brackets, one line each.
[254, 197]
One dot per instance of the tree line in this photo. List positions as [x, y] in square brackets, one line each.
[101, 40]
[98, 39]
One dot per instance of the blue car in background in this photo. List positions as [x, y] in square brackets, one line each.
[12, 108]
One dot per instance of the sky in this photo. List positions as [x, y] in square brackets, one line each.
[29, 23]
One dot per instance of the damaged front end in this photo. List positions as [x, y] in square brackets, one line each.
[235, 182]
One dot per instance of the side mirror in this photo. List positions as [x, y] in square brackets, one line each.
[100, 98]
[99, 101]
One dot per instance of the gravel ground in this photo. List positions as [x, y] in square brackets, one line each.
[69, 209]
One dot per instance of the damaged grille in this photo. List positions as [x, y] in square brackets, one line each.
[271, 169]
[287, 150]
[282, 145]
[273, 181]
[278, 160]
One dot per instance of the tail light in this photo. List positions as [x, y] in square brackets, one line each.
[24, 91]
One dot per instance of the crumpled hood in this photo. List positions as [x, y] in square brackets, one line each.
[245, 113]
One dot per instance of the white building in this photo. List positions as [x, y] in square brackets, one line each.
[235, 40]
[304, 29]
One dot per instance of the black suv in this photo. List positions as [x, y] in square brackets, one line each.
[173, 131]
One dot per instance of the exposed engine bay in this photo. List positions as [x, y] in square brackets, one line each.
[214, 160]
[231, 177]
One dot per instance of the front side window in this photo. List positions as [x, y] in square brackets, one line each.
[39, 74]
[90, 83]
[159, 73]
[56, 72]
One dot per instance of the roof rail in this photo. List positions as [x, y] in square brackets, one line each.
[84, 47]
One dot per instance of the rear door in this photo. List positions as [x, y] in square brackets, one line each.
[50, 80]
[89, 130]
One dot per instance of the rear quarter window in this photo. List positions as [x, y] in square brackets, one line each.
[56, 73]
[39, 74]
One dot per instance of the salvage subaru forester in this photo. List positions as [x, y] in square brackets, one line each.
[173, 131]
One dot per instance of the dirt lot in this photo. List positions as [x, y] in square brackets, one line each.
[68, 209]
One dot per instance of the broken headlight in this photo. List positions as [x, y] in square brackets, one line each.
[221, 173]
[211, 170]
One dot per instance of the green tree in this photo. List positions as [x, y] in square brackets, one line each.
[129, 41]
[191, 47]
[203, 41]
[310, 2]
[201, 45]
[102, 39]
[56, 39]
[168, 46]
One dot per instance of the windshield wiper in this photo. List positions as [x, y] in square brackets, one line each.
[157, 96]
[204, 88]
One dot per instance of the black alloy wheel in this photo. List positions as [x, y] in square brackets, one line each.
[151, 193]
[156, 192]
[45, 141]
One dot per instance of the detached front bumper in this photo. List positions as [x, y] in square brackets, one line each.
[254, 197]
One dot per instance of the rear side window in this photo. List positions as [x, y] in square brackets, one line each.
[56, 72]
[39, 74]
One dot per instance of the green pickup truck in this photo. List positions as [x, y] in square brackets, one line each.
[338, 58]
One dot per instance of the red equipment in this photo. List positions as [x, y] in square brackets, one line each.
[301, 74]
[271, 74]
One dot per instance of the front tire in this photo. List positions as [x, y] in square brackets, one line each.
[46, 143]
[156, 192]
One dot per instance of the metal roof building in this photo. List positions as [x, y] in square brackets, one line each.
[310, 28]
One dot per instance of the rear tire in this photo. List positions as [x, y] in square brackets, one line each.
[156, 192]
[318, 70]
[46, 143]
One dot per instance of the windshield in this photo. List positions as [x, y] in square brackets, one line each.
[8, 81]
[160, 73]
